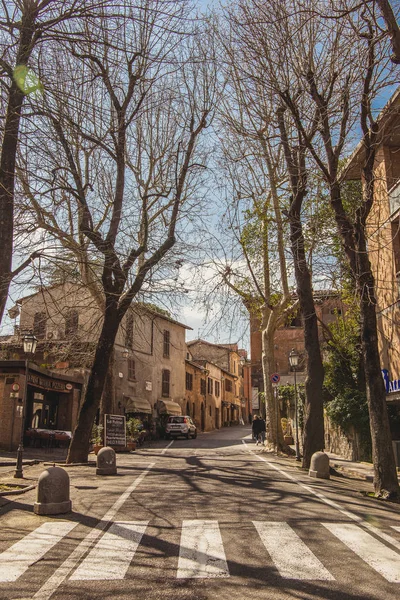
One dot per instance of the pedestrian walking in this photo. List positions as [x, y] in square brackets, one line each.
[258, 430]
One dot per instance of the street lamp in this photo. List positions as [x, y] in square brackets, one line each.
[30, 342]
[294, 361]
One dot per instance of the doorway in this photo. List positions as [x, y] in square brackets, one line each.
[203, 417]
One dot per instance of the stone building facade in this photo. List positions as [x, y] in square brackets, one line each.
[146, 378]
[225, 403]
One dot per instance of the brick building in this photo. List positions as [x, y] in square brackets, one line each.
[383, 231]
[291, 335]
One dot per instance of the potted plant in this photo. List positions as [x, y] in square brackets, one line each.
[133, 427]
[287, 433]
[97, 437]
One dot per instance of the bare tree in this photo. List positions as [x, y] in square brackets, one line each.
[121, 166]
[260, 28]
[26, 27]
[256, 177]
[337, 73]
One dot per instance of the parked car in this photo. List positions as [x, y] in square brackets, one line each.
[177, 426]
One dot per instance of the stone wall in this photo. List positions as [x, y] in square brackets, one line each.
[340, 443]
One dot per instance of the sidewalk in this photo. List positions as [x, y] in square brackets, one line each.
[31, 456]
[361, 470]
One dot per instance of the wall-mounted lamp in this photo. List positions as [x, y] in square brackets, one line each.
[125, 353]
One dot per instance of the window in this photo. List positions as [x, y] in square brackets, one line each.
[209, 386]
[217, 389]
[203, 388]
[39, 325]
[228, 385]
[189, 381]
[129, 331]
[131, 369]
[294, 322]
[166, 375]
[166, 343]
[71, 323]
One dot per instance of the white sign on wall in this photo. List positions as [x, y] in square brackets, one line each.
[149, 386]
[255, 400]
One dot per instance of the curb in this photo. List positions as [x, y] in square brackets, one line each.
[25, 463]
[26, 488]
[353, 472]
[90, 463]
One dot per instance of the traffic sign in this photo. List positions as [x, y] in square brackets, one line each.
[275, 378]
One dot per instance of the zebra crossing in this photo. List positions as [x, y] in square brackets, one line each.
[201, 551]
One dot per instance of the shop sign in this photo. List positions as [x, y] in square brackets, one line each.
[46, 383]
[114, 430]
[390, 385]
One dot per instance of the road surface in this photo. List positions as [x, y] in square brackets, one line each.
[214, 518]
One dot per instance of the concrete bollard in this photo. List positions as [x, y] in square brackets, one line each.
[106, 462]
[319, 466]
[53, 492]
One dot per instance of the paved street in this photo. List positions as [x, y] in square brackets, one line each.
[211, 518]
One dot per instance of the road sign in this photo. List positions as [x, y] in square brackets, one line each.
[275, 378]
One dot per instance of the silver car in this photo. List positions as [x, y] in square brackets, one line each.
[183, 426]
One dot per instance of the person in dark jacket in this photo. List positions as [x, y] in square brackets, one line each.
[258, 429]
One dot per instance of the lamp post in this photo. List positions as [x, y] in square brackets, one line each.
[294, 361]
[30, 342]
[242, 363]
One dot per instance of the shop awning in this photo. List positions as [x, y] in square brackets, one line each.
[169, 407]
[138, 405]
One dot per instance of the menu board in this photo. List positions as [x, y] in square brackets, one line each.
[114, 430]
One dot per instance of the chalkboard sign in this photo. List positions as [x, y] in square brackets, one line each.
[114, 430]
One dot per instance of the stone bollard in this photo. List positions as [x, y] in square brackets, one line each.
[319, 466]
[106, 462]
[53, 492]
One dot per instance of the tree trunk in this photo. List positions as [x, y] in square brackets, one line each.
[107, 398]
[79, 448]
[274, 436]
[313, 434]
[385, 475]
[8, 155]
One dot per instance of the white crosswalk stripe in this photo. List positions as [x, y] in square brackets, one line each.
[19, 557]
[378, 556]
[201, 551]
[113, 553]
[290, 555]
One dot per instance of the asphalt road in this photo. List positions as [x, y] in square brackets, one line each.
[211, 518]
